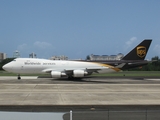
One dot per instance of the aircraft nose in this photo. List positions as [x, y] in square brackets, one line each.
[6, 67]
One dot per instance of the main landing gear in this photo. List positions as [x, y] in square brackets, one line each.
[70, 78]
[18, 77]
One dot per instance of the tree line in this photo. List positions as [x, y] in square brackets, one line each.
[152, 66]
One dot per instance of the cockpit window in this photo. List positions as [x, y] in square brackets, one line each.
[14, 60]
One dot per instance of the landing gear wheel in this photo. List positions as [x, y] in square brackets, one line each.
[18, 77]
[70, 78]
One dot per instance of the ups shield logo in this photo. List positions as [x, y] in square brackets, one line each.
[141, 51]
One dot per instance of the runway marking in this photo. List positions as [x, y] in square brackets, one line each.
[153, 79]
[15, 77]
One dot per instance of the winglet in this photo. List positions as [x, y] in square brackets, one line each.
[139, 52]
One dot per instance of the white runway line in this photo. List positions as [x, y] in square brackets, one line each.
[15, 77]
[156, 79]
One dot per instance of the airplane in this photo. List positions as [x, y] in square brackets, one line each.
[79, 68]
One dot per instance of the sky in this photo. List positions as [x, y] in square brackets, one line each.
[77, 28]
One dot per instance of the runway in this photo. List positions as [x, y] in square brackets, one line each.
[89, 98]
[87, 91]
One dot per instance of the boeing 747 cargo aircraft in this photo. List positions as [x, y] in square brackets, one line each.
[79, 69]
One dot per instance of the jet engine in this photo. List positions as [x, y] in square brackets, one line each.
[79, 73]
[57, 74]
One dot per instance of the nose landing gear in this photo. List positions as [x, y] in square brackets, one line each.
[18, 77]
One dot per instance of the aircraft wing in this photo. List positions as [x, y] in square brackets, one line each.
[68, 71]
[80, 72]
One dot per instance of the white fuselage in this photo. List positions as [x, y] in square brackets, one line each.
[32, 65]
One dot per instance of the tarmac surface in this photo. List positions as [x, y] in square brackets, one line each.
[90, 98]
[33, 93]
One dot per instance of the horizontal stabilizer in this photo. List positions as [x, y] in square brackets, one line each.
[121, 65]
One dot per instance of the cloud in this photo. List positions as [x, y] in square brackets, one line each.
[42, 45]
[157, 49]
[129, 43]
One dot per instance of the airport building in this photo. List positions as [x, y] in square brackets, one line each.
[16, 54]
[32, 55]
[62, 57]
[106, 57]
[3, 56]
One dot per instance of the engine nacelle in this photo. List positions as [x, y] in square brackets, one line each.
[79, 73]
[57, 74]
